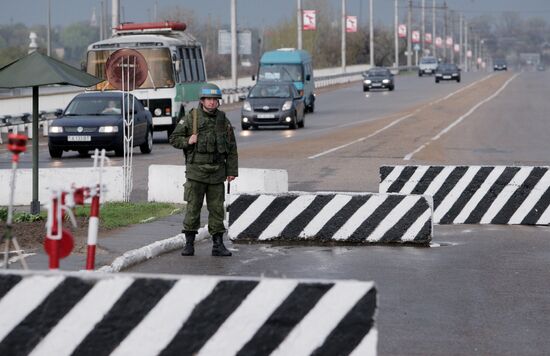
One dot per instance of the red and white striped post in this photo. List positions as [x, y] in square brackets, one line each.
[54, 231]
[93, 227]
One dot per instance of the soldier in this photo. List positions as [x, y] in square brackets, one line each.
[208, 142]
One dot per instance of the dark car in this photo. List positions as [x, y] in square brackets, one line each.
[541, 67]
[272, 104]
[378, 78]
[447, 71]
[499, 64]
[94, 120]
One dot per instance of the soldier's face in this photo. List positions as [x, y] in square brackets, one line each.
[210, 104]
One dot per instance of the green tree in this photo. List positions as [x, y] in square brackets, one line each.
[75, 38]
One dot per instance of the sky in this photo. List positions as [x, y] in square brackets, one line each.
[250, 13]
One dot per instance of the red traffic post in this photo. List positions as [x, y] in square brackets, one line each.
[93, 227]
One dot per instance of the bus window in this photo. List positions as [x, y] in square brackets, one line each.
[193, 61]
[188, 71]
[200, 65]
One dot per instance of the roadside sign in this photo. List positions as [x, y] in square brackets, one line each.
[351, 23]
[449, 41]
[428, 38]
[415, 36]
[457, 48]
[416, 47]
[402, 31]
[309, 20]
[469, 54]
[439, 42]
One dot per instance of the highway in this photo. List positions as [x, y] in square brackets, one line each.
[479, 289]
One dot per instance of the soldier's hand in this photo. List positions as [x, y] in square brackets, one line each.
[230, 178]
[193, 139]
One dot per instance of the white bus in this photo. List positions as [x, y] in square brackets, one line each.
[175, 61]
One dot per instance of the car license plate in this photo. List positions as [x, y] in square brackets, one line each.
[428, 71]
[266, 116]
[446, 77]
[79, 138]
[376, 84]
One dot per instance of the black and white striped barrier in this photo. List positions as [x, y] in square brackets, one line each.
[103, 314]
[476, 194]
[331, 217]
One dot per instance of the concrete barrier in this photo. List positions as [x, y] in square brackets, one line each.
[60, 179]
[166, 182]
[112, 314]
[476, 194]
[331, 217]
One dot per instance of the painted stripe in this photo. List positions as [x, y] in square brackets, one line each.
[281, 322]
[427, 179]
[405, 175]
[517, 203]
[126, 313]
[438, 181]
[286, 216]
[74, 327]
[391, 220]
[384, 172]
[160, 326]
[491, 194]
[38, 323]
[413, 181]
[7, 282]
[479, 194]
[446, 188]
[466, 195]
[240, 327]
[293, 229]
[532, 199]
[456, 190]
[238, 205]
[359, 217]
[415, 229]
[545, 217]
[323, 318]
[339, 218]
[505, 195]
[207, 316]
[93, 228]
[384, 186]
[409, 218]
[317, 223]
[250, 214]
[360, 319]
[264, 219]
[23, 299]
[368, 346]
[540, 207]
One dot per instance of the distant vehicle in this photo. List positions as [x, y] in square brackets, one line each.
[427, 65]
[271, 104]
[378, 78]
[541, 67]
[175, 61]
[289, 64]
[499, 64]
[447, 71]
[94, 120]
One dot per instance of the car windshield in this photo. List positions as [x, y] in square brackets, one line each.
[287, 72]
[447, 67]
[428, 60]
[94, 106]
[377, 73]
[270, 91]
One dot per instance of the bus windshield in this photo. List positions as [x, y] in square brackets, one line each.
[158, 60]
[284, 72]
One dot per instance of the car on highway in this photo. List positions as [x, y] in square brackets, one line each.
[541, 67]
[499, 64]
[94, 120]
[273, 104]
[447, 71]
[378, 78]
[427, 65]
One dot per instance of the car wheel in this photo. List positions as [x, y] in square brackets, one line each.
[458, 80]
[391, 87]
[293, 124]
[311, 107]
[437, 81]
[147, 146]
[55, 152]
[83, 153]
[366, 88]
[302, 122]
[419, 74]
[245, 127]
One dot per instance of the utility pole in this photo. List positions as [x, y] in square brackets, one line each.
[371, 33]
[49, 28]
[451, 34]
[409, 35]
[466, 64]
[115, 15]
[101, 26]
[395, 34]
[300, 25]
[423, 26]
[234, 43]
[343, 36]
[433, 28]
[445, 30]
[461, 40]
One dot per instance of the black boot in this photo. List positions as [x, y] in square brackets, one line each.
[189, 248]
[218, 249]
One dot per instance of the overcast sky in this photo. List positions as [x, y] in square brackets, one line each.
[250, 13]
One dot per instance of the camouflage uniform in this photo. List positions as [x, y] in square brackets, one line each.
[208, 163]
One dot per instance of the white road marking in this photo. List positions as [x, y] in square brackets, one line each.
[460, 119]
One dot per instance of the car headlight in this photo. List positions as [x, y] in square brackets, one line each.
[55, 129]
[246, 106]
[385, 81]
[287, 105]
[368, 81]
[438, 74]
[158, 112]
[455, 74]
[108, 129]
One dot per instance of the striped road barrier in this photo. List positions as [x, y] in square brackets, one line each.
[358, 218]
[112, 314]
[476, 194]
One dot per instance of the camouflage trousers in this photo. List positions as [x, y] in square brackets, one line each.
[194, 193]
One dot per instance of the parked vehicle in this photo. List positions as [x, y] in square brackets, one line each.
[94, 120]
[499, 64]
[447, 71]
[427, 65]
[271, 104]
[289, 64]
[378, 78]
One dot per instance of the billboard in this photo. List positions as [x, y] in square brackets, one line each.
[244, 42]
[402, 30]
[351, 23]
[308, 19]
